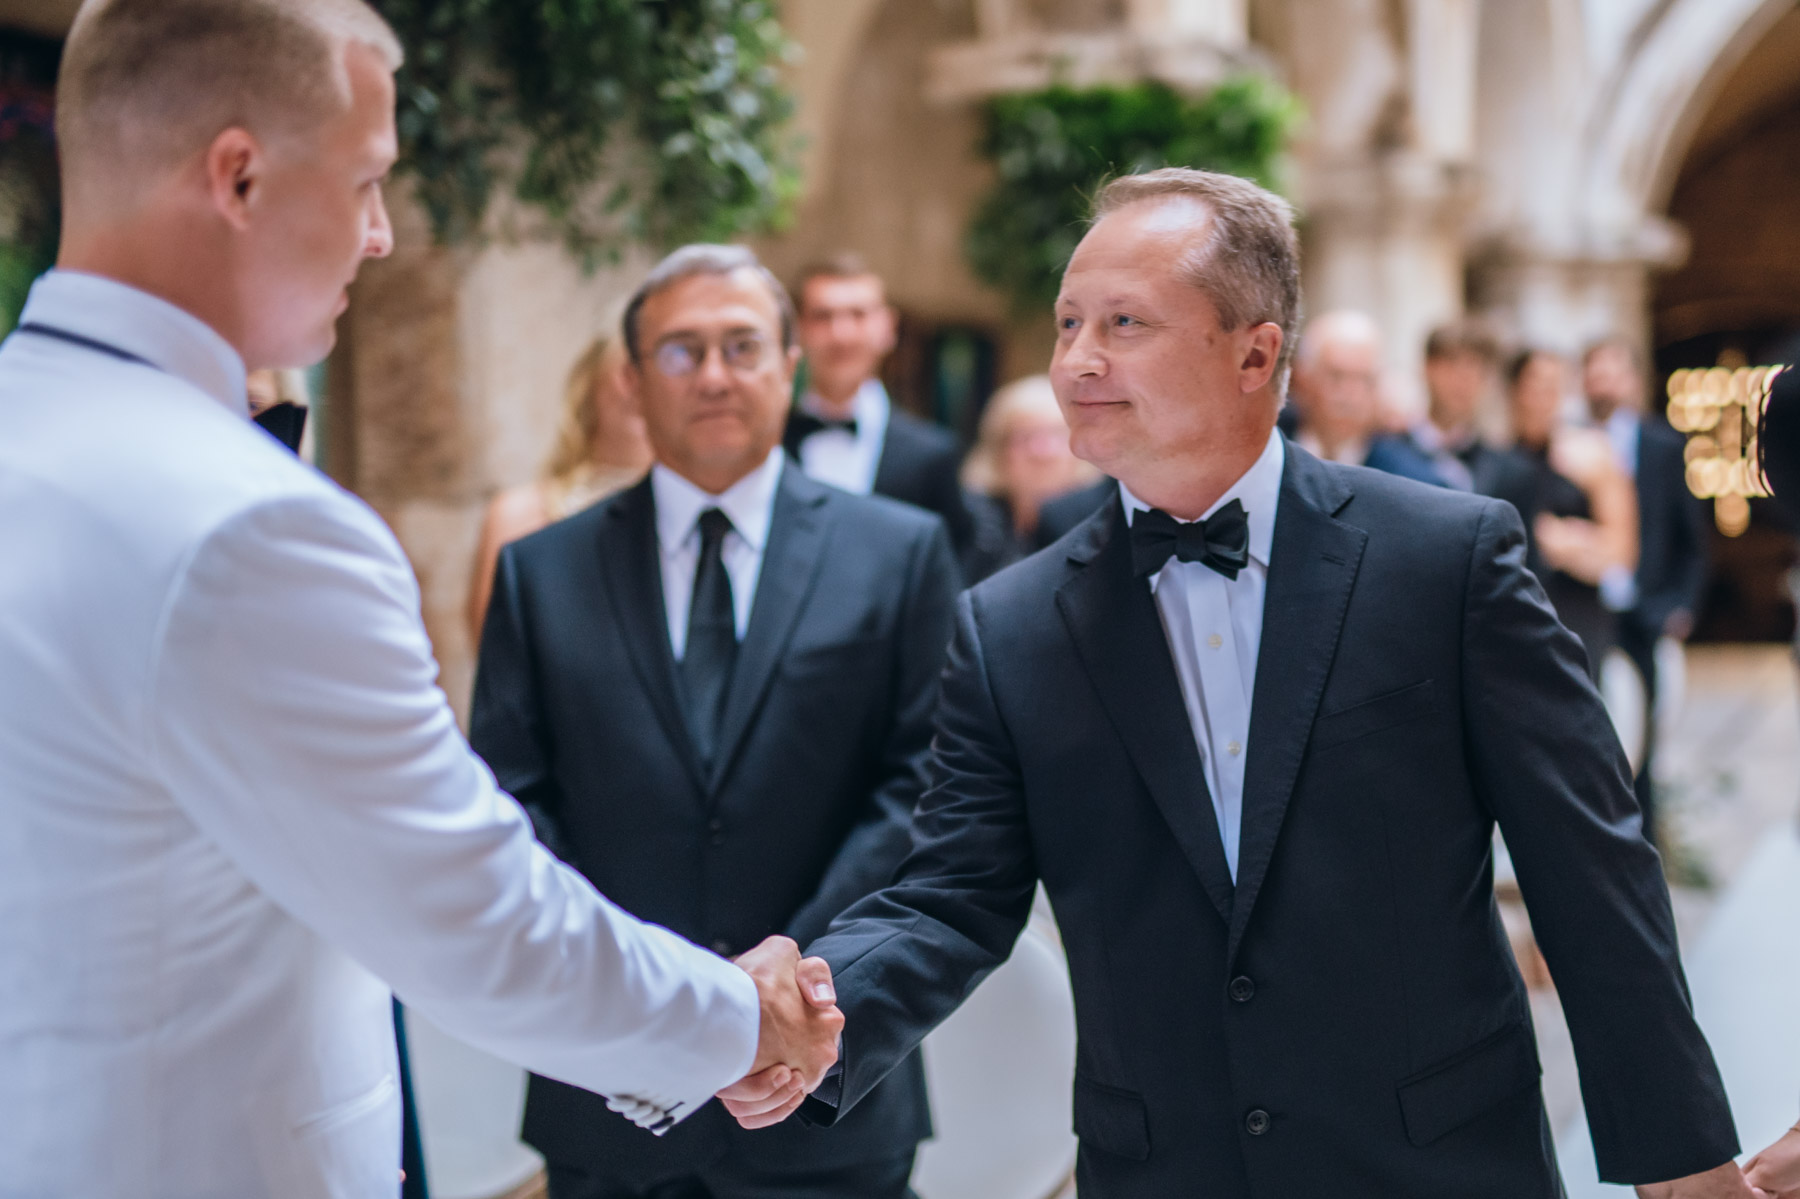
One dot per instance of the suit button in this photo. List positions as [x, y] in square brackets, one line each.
[1257, 1122]
[722, 948]
[716, 831]
[1242, 989]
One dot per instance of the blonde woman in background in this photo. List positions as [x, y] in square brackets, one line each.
[1021, 459]
[601, 448]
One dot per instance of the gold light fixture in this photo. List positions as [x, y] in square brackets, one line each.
[1718, 409]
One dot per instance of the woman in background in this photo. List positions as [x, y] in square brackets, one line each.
[601, 448]
[1583, 522]
[1021, 459]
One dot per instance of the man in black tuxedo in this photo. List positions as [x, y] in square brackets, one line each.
[1253, 728]
[713, 692]
[845, 430]
[1672, 527]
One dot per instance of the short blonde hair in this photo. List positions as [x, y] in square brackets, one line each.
[147, 83]
[1249, 263]
[1018, 400]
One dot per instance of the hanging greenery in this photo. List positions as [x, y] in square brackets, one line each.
[1053, 149]
[619, 121]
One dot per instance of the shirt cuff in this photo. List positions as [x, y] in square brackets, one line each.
[1618, 589]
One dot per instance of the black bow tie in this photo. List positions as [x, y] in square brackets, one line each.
[1221, 541]
[802, 425]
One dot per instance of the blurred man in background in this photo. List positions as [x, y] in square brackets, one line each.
[1462, 365]
[845, 431]
[1672, 527]
[1336, 391]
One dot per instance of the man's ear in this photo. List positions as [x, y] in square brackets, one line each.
[1261, 351]
[235, 167]
[892, 333]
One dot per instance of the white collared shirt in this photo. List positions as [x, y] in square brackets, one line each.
[834, 456]
[1622, 429]
[1214, 627]
[749, 502]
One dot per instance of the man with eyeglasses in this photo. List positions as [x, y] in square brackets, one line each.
[713, 693]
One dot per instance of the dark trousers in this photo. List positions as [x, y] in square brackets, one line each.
[876, 1180]
[1641, 649]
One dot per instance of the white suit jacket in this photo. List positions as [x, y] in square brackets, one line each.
[235, 809]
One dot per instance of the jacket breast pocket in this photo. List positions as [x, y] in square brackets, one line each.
[1111, 1120]
[1445, 1096]
[1374, 715]
[849, 658]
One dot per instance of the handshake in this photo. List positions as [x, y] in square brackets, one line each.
[801, 1026]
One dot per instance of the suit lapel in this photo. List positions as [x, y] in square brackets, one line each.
[631, 565]
[1119, 636]
[792, 559]
[1312, 569]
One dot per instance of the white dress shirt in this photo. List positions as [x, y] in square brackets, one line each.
[834, 456]
[1214, 627]
[235, 809]
[749, 503]
[1622, 429]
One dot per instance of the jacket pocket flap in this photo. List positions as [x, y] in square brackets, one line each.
[1453, 1092]
[1373, 715]
[1111, 1120]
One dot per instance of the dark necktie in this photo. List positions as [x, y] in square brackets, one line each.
[712, 645]
[802, 425]
[1221, 541]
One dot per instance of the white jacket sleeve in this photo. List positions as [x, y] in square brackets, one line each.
[294, 714]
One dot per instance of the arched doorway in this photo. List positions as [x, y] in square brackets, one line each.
[1736, 192]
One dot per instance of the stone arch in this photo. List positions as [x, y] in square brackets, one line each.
[1648, 108]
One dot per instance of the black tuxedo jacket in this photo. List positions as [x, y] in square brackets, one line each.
[822, 756]
[1672, 531]
[1347, 1019]
[921, 465]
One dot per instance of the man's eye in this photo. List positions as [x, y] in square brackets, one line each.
[1066, 323]
[1122, 319]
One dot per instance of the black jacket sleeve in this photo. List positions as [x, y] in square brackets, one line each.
[906, 957]
[506, 725]
[1549, 768]
[878, 843]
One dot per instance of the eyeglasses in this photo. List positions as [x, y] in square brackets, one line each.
[680, 357]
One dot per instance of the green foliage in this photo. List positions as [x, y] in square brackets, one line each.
[620, 121]
[1053, 149]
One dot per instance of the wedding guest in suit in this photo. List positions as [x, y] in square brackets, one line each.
[1253, 726]
[1673, 532]
[845, 430]
[1020, 462]
[236, 815]
[1337, 395]
[713, 692]
[1461, 362]
[1582, 521]
[600, 448]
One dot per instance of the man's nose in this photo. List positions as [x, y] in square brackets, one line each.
[1083, 356]
[381, 230]
[713, 375]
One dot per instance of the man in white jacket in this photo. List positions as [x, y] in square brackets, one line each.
[234, 806]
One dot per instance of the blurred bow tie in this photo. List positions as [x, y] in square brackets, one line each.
[802, 425]
[1221, 541]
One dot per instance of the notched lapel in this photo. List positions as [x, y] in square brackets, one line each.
[632, 567]
[1312, 570]
[1112, 618]
[791, 563]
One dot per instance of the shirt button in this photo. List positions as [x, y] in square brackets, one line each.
[716, 828]
[1215, 641]
[1242, 989]
[722, 948]
[1234, 749]
[1257, 1122]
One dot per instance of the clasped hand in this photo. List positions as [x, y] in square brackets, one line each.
[799, 1040]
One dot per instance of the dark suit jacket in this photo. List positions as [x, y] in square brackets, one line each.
[1672, 531]
[1778, 440]
[1347, 1020]
[1397, 456]
[821, 762]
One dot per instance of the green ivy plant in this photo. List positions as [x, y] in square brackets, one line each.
[1053, 149]
[619, 121]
